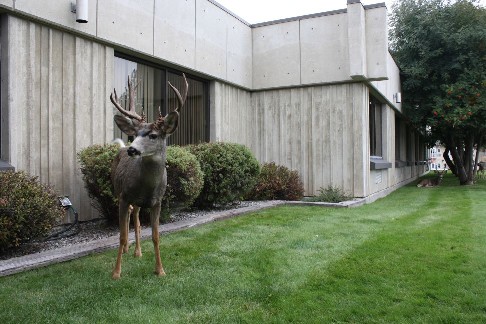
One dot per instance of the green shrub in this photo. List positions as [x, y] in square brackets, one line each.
[28, 209]
[96, 163]
[331, 194]
[277, 182]
[184, 177]
[230, 171]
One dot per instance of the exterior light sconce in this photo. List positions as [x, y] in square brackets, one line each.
[397, 97]
[80, 8]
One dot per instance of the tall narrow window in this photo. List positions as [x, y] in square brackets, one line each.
[153, 92]
[376, 149]
[409, 152]
[398, 138]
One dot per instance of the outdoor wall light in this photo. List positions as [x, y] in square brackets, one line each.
[81, 10]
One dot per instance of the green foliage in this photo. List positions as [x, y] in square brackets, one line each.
[184, 177]
[440, 47]
[230, 171]
[96, 163]
[277, 182]
[331, 194]
[28, 209]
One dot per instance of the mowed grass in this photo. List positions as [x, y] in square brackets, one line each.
[415, 256]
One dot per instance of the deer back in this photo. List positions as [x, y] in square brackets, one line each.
[431, 182]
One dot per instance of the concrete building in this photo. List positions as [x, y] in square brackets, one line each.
[319, 93]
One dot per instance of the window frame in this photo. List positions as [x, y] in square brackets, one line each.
[165, 72]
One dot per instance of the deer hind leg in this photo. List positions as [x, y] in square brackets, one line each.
[123, 216]
[154, 220]
[136, 223]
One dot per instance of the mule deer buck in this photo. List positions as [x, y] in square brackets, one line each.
[138, 172]
[432, 182]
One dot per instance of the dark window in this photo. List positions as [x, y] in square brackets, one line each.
[398, 138]
[409, 144]
[153, 92]
[376, 127]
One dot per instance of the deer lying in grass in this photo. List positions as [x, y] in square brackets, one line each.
[432, 182]
[138, 172]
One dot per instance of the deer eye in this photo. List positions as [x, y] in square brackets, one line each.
[152, 136]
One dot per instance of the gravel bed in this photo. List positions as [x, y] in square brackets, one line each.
[96, 229]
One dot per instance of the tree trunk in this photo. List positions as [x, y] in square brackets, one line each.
[448, 161]
[468, 159]
[458, 162]
[476, 158]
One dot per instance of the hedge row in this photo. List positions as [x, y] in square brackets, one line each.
[200, 176]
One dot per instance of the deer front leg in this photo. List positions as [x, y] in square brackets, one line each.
[136, 223]
[123, 215]
[130, 211]
[154, 220]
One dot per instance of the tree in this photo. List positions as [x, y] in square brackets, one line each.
[440, 47]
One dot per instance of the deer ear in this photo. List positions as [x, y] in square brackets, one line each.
[127, 125]
[170, 122]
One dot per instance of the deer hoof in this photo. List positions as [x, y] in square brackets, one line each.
[159, 273]
[137, 254]
[115, 275]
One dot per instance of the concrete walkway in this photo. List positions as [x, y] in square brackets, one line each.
[41, 259]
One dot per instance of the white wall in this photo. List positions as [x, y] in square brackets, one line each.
[339, 46]
[203, 37]
[196, 35]
[320, 131]
[55, 89]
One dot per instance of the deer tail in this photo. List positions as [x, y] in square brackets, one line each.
[119, 142]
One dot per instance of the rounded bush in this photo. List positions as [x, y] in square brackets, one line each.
[184, 177]
[277, 182]
[230, 171]
[96, 163]
[28, 209]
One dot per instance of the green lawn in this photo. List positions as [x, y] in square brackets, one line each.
[416, 256]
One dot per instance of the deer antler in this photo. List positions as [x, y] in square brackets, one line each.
[130, 113]
[180, 98]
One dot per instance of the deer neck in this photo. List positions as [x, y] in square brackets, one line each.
[152, 163]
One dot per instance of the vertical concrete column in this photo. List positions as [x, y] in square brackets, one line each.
[4, 105]
[357, 40]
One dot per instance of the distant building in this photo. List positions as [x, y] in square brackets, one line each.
[436, 159]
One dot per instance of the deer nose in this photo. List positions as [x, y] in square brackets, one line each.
[133, 151]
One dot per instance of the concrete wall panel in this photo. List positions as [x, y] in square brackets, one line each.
[376, 43]
[239, 54]
[59, 106]
[305, 129]
[202, 36]
[276, 55]
[211, 39]
[324, 40]
[7, 3]
[59, 12]
[175, 31]
[128, 23]
[389, 88]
